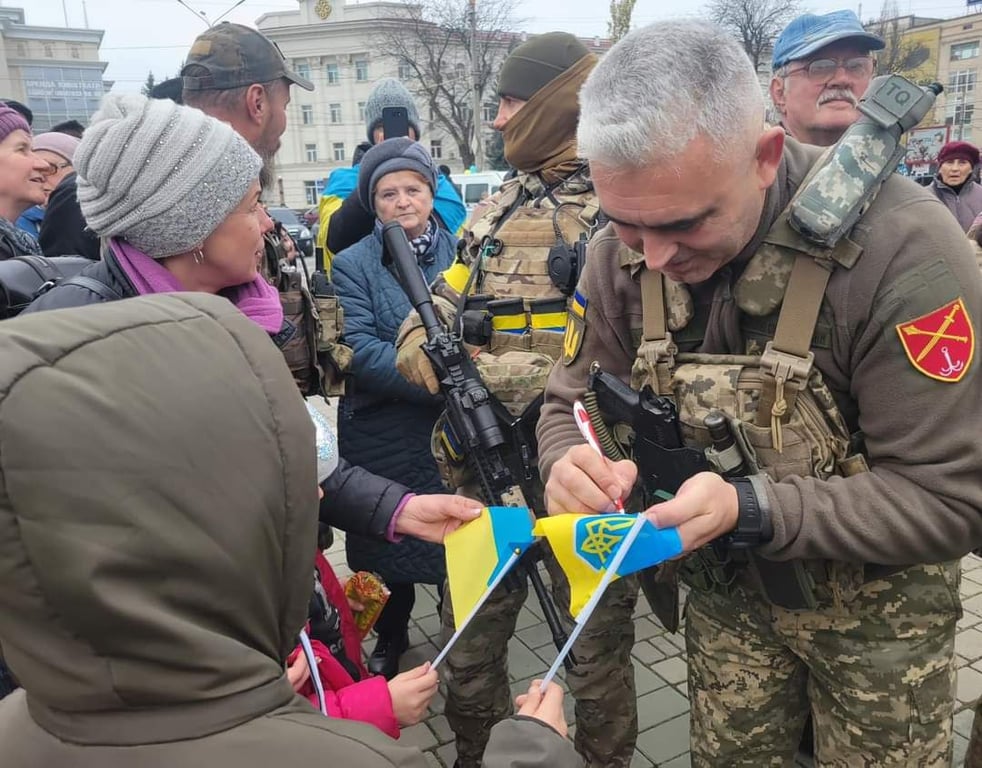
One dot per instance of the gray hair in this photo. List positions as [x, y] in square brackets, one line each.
[663, 85]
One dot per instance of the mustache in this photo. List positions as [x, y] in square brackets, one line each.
[837, 94]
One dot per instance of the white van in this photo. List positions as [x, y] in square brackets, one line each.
[475, 187]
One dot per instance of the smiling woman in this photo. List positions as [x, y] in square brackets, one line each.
[174, 195]
[21, 183]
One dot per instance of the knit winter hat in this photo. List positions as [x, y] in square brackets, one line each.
[11, 120]
[389, 156]
[538, 62]
[389, 92]
[956, 149]
[159, 175]
[59, 143]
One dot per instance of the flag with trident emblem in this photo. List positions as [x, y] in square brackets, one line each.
[940, 344]
[585, 544]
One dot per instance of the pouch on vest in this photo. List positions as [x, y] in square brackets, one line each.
[333, 356]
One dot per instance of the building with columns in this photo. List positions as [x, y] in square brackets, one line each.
[334, 43]
[55, 71]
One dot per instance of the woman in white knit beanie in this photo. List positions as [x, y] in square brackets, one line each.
[174, 196]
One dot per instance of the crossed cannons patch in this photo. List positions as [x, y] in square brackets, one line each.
[940, 344]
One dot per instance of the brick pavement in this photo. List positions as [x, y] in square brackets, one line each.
[660, 673]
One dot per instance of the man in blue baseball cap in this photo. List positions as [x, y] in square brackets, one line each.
[822, 66]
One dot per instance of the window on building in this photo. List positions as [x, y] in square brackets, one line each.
[49, 51]
[436, 148]
[307, 114]
[310, 152]
[302, 68]
[361, 70]
[460, 71]
[361, 111]
[489, 112]
[962, 81]
[310, 192]
[335, 111]
[75, 52]
[338, 147]
[405, 71]
[22, 50]
[333, 74]
[961, 51]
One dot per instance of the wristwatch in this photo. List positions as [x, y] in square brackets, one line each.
[753, 526]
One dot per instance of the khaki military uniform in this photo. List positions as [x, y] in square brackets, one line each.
[868, 459]
[513, 237]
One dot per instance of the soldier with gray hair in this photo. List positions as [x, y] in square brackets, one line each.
[822, 552]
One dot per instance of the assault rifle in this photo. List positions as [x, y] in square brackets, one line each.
[483, 427]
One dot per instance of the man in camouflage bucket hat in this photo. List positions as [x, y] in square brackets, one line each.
[850, 383]
[525, 244]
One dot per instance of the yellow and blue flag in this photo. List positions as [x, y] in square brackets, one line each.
[585, 544]
[476, 553]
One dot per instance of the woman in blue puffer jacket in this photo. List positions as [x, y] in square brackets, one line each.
[384, 422]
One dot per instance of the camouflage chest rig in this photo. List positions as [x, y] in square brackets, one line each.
[782, 417]
[518, 267]
[313, 323]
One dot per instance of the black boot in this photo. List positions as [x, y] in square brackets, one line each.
[385, 658]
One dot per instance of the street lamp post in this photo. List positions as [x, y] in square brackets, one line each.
[475, 86]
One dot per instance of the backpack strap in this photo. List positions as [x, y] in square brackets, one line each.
[99, 288]
[656, 353]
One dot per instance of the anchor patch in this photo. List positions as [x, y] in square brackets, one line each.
[940, 344]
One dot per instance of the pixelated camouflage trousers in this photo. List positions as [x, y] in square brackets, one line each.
[874, 665]
[602, 682]
[973, 756]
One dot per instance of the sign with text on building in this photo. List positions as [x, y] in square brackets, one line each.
[63, 89]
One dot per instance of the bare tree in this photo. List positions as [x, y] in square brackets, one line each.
[900, 55]
[620, 18]
[432, 43]
[756, 23]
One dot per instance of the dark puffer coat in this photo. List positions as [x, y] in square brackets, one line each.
[384, 422]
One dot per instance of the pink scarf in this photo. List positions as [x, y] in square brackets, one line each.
[257, 300]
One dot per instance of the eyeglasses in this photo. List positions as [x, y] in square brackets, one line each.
[51, 168]
[823, 70]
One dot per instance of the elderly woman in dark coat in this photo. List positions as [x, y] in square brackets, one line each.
[384, 422]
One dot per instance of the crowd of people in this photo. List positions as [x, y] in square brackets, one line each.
[165, 491]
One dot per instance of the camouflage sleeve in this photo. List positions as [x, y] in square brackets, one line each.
[907, 321]
[612, 302]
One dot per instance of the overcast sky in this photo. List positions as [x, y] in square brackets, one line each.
[154, 35]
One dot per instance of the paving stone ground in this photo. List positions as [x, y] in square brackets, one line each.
[660, 673]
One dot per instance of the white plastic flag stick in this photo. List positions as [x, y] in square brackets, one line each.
[484, 598]
[584, 615]
[582, 419]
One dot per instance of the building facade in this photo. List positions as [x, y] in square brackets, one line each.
[337, 45]
[55, 71]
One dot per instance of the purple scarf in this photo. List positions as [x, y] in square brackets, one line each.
[257, 300]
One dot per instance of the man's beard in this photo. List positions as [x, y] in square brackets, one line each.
[266, 176]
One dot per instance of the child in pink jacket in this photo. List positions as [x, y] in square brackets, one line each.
[350, 692]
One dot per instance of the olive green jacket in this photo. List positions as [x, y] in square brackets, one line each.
[158, 514]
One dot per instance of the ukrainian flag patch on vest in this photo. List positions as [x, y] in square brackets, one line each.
[575, 327]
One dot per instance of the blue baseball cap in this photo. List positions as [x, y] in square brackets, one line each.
[810, 32]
